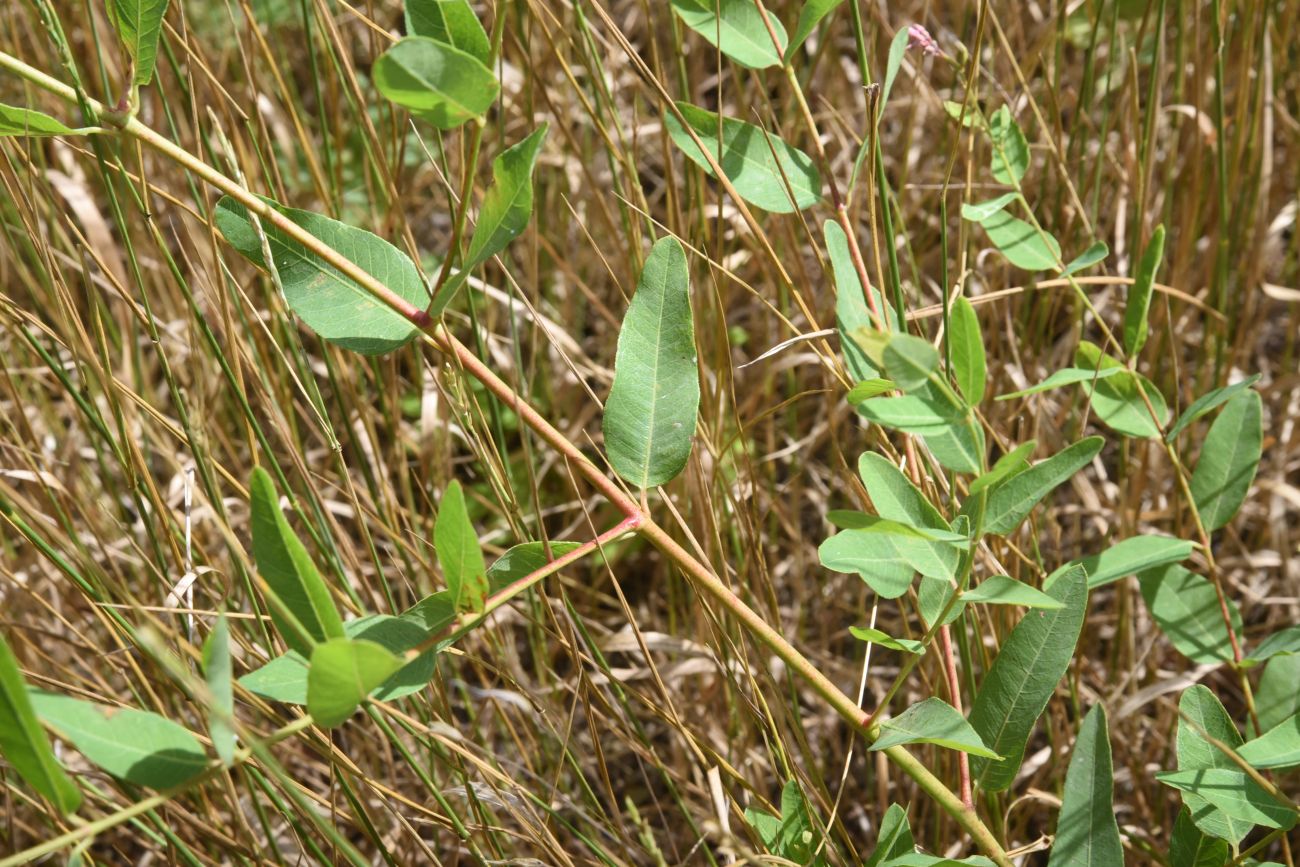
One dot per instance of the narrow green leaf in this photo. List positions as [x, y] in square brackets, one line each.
[1086, 832]
[966, 343]
[1229, 458]
[1010, 150]
[1021, 243]
[1277, 697]
[1066, 376]
[1116, 399]
[893, 63]
[23, 743]
[909, 413]
[1200, 711]
[894, 839]
[1012, 500]
[15, 121]
[435, 81]
[765, 171]
[1279, 747]
[1139, 297]
[1133, 556]
[1014, 461]
[331, 304]
[898, 500]
[459, 553]
[342, 674]
[875, 636]
[737, 30]
[284, 678]
[1024, 675]
[134, 745]
[1234, 793]
[1206, 402]
[868, 389]
[910, 361]
[1085, 260]
[452, 22]
[978, 212]
[139, 25]
[289, 572]
[507, 208]
[1283, 641]
[1005, 590]
[810, 16]
[851, 311]
[1188, 847]
[216, 671]
[932, 721]
[653, 405]
[1186, 608]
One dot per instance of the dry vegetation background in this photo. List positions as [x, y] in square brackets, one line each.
[614, 716]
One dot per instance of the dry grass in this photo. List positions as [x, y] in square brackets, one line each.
[614, 717]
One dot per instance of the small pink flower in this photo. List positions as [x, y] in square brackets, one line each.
[919, 37]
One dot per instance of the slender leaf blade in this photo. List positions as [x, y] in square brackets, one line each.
[932, 721]
[139, 26]
[23, 743]
[1279, 747]
[810, 15]
[654, 403]
[1010, 156]
[1024, 676]
[1013, 499]
[1064, 377]
[1207, 402]
[1229, 459]
[17, 121]
[966, 343]
[1132, 556]
[1095, 253]
[1086, 832]
[736, 28]
[1139, 297]
[1005, 590]
[459, 553]
[217, 671]
[875, 636]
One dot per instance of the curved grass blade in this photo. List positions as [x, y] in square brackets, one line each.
[23, 743]
[1023, 677]
[1229, 459]
[765, 171]
[342, 674]
[289, 572]
[736, 28]
[459, 553]
[1086, 832]
[435, 81]
[331, 304]
[653, 405]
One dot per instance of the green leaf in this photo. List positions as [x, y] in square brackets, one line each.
[910, 361]
[1022, 244]
[894, 839]
[1207, 402]
[216, 671]
[459, 553]
[1066, 376]
[1010, 151]
[1012, 500]
[765, 171]
[133, 745]
[452, 22]
[27, 122]
[1283, 641]
[1186, 608]
[851, 311]
[868, 389]
[653, 405]
[1086, 832]
[897, 499]
[289, 572]
[810, 16]
[932, 721]
[330, 303]
[959, 448]
[1277, 696]
[22, 742]
[966, 344]
[139, 26]
[1116, 399]
[873, 557]
[1234, 793]
[284, 678]
[435, 81]
[737, 30]
[875, 636]
[1085, 260]
[1023, 677]
[1133, 556]
[1279, 747]
[909, 413]
[1014, 461]
[343, 672]
[1200, 711]
[1188, 847]
[1139, 297]
[1229, 458]
[1005, 590]
[893, 63]
[981, 211]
